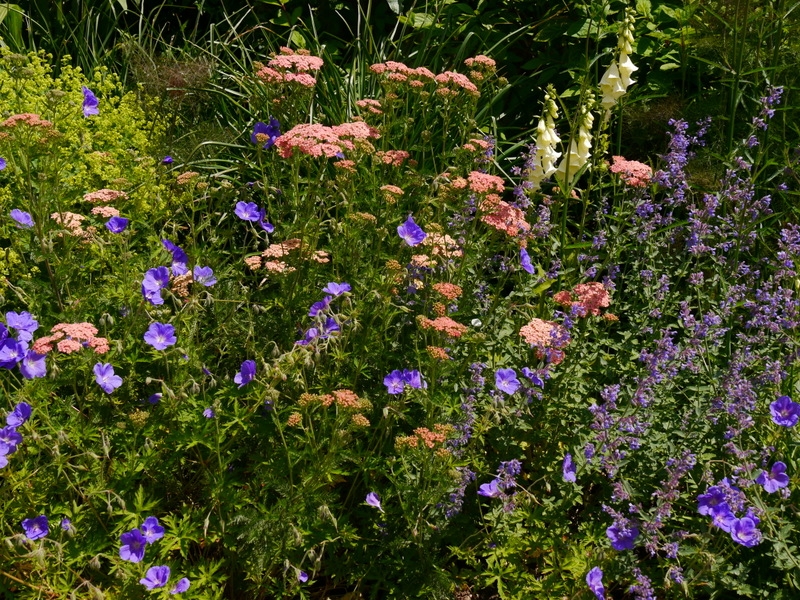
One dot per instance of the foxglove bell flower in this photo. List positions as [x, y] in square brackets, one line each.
[547, 139]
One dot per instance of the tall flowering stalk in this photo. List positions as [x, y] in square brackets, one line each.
[617, 79]
[546, 155]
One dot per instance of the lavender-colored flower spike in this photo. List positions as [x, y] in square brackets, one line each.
[90, 103]
[374, 501]
[36, 528]
[594, 579]
[411, 233]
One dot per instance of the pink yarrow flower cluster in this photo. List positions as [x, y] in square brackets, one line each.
[104, 195]
[451, 82]
[398, 72]
[480, 183]
[632, 172]
[547, 338]
[321, 140]
[291, 67]
[503, 217]
[71, 337]
[591, 297]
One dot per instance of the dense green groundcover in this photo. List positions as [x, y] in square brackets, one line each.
[316, 323]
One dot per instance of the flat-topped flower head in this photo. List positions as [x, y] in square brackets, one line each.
[775, 479]
[36, 528]
[411, 233]
[246, 373]
[132, 548]
[156, 577]
[91, 105]
[106, 378]
[22, 412]
[160, 335]
[23, 219]
[152, 530]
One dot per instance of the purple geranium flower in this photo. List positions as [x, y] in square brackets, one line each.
[491, 489]
[10, 438]
[533, 377]
[329, 327]
[151, 530]
[785, 412]
[772, 481]
[744, 532]
[594, 579]
[246, 373]
[308, 337]
[204, 276]
[622, 538]
[167, 160]
[209, 413]
[707, 503]
[568, 469]
[271, 132]
[3, 164]
[36, 528]
[247, 211]
[179, 258]
[105, 377]
[66, 524]
[525, 260]
[90, 103]
[23, 219]
[723, 518]
[154, 281]
[374, 500]
[22, 412]
[160, 335]
[263, 223]
[11, 352]
[336, 289]
[302, 576]
[133, 543]
[156, 577]
[24, 323]
[319, 306]
[414, 379]
[506, 380]
[117, 224]
[180, 587]
[411, 233]
[394, 382]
